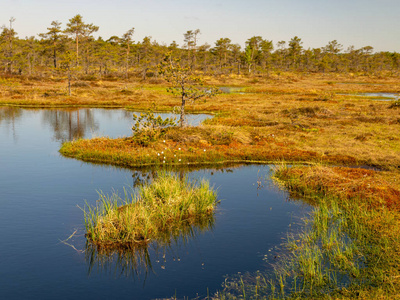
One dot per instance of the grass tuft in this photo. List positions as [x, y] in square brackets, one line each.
[162, 210]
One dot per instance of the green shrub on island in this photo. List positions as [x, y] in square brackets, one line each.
[149, 128]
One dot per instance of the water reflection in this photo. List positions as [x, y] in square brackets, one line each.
[146, 174]
[128, 263]
[8, 117]
[68, 124]
[231, 90]
[9, 114]
[138, 261]
[376, 96]
[74, 123]
[43, 210]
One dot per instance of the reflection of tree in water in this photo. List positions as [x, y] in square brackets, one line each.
[136, 261]
[69, 124]
[8, 116]
[144, 175]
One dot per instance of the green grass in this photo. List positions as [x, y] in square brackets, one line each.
[168, 207]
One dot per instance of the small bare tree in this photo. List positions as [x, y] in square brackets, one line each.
[184, 83]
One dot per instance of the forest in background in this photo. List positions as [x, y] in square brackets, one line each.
[73, 49]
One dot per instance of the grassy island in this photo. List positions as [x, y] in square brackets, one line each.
[161, 210]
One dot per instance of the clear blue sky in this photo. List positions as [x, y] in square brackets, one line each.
[360, 23]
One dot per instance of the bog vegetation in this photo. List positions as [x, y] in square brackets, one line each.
[285, 104]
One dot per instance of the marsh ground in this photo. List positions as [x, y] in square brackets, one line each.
[305, 118]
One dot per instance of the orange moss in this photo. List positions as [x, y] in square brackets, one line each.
[348, 184]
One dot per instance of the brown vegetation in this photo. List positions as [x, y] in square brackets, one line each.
[276, 121]
[369, 187]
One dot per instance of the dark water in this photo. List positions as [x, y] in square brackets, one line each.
[40, 192]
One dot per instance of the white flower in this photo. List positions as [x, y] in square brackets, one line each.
[162, 152]
[164, 141]
[179, 148]
[179, 159]
[163, 161]
[204, 150]
[158, 154]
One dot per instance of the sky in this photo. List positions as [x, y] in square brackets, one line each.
[360, 23]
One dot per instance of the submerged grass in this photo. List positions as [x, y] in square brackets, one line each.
[160, 211]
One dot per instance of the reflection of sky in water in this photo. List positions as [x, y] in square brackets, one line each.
[231, 89]
[40, 192]
[377, 96]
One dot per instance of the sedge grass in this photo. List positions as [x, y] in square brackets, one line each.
[159, 211]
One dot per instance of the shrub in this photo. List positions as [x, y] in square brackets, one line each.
[149, 128]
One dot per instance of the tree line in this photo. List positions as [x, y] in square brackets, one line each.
[74, 49]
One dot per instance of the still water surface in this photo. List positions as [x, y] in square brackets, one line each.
[40, 196]
[377, 96]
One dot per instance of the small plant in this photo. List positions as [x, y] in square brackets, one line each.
[149, 128]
